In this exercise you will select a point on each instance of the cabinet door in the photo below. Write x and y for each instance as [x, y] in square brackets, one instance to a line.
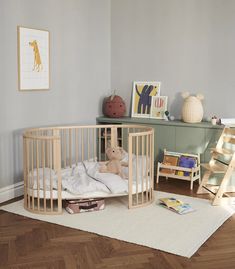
[211, 138]
[190, 140]
[164, 139]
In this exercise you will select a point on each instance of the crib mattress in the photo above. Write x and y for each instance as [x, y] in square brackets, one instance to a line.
[136, 188]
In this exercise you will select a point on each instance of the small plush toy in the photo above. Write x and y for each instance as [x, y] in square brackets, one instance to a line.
[114, 165]
[114, 106]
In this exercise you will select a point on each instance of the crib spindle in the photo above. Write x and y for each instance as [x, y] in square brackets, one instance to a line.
[122, 138]
[82, 144]
[37, 172]
[99, 143]
[142, 169]
[114, 142]
[152, 167]
[32, 171]
[105, 142]
[76, 146]
[147, 165]
[28, 174]
[25, 170]
[88, 144]
[128, 131]
[49, 142]
[137, 168]
[70, 147]
[130, 174]
[94, 145]
[64, 147]
[57, 145]
[43, 174]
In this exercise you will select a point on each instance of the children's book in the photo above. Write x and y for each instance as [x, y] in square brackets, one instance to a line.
[188, 162]
[176, 205]
[169, 160]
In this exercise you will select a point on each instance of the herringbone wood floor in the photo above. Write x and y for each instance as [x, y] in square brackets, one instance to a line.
[27, 243]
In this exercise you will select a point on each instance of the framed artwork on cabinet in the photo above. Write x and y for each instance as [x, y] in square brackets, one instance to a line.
[142, 94]
[158, 107]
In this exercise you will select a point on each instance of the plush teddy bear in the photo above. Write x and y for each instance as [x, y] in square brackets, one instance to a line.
[114, 165]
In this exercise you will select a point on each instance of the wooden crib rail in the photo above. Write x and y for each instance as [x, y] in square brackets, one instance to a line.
[41, 161]
[141, 146]
[49, 150]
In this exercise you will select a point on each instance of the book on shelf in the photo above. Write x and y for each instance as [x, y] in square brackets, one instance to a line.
[173, 153]
[169, 160]
[186, 162]
[176, 205]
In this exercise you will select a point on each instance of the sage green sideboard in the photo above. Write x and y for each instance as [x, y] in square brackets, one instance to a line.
[176, 135]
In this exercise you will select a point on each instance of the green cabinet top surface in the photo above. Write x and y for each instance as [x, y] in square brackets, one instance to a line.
[147, 121]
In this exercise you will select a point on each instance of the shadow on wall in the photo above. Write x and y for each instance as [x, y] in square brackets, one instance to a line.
[11, 158]
[100, 105]
[130, 107]
[176, 106]
[18, 155]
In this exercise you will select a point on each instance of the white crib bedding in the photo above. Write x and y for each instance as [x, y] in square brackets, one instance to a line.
[95, 194]
[84, 180]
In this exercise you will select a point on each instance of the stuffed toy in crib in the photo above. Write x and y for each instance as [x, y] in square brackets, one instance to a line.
[114, 165]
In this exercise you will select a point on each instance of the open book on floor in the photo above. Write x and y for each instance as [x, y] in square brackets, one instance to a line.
[176, 205]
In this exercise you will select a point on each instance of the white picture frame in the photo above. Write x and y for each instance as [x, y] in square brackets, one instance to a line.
[142, 94]
[158, 107]
[33, 59]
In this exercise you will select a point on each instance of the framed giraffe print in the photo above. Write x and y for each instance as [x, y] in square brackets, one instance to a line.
[33, 59]
[142, 94]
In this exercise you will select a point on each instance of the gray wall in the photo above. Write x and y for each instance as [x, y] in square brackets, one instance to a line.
[185, 44]
[80, 71]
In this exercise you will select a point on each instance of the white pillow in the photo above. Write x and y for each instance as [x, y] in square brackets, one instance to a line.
[115, 183]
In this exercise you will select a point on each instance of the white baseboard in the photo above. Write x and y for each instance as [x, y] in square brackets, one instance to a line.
[11, 191]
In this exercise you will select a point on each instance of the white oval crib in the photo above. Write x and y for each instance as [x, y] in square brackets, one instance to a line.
[57, 159]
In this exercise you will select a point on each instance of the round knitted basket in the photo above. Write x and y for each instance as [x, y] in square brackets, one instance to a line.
[192, 110]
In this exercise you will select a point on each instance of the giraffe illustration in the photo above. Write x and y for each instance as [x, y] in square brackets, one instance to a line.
[37, 66]
[145, 99]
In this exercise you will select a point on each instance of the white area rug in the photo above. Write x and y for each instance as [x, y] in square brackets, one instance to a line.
[151, 226]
